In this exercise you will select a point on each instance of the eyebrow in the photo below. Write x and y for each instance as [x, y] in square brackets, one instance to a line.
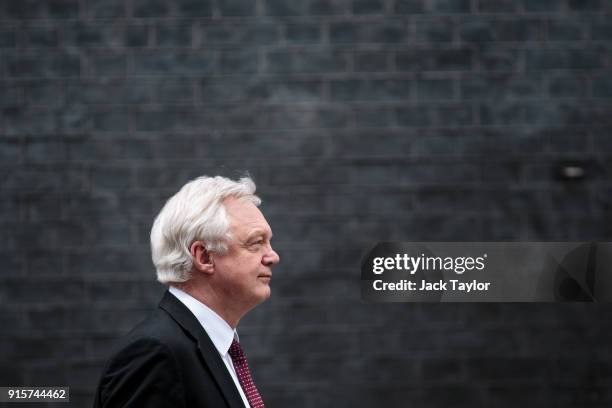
[257, 232]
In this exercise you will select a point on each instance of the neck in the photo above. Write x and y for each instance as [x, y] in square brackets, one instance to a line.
[209, 297]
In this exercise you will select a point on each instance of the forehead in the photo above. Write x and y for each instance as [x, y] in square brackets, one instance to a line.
[245, 217]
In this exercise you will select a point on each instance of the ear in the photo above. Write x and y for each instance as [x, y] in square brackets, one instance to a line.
[202, 259]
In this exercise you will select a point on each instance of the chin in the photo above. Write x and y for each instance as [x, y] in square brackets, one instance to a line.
[265, 293]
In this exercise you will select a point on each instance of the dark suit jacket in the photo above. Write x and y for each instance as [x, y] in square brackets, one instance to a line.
[167, 361]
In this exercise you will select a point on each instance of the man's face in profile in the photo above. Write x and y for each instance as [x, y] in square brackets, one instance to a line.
[245, 270]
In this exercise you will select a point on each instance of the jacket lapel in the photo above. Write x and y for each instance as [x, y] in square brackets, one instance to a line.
[183, 316]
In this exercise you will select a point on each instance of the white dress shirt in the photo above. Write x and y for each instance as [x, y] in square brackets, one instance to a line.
[217, 329]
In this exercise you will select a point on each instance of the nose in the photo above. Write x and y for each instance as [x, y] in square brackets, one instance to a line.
[271, 258]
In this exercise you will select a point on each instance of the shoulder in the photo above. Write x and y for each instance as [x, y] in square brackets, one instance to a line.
[143, 370]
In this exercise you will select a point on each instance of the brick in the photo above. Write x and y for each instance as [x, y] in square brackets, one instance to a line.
[291, 91]
[371, 61]
[499, 87]
[584, 5]
[20, 66]
[451, 6]
[602, 86]
[392, 32]
[42, 37]
[284, 8]
[24, 9]
[111, 177]
[305, 61]
[260, 34]
[547, 116]
[43, 177]
[477, 30]
[497, 6]
[303, 33]
[110, 120]
[435, 30]
[327, 7]
[541, 5]
[563, 141]
[42, 207]
[179, 62]
[7, 38]
[235, 117]
[455, 115]
[56, 292]
[176, 119]
[87, 35]
[373, 117]
[237, 8]
[167, 177]
[290, 175]
[136, 36]
[355, 142]
[518, 30]
[409, 6]
[413, 116]
[106, 64]
[74, 120]
[431, 89]
[31, 9]
[46, 151]
[585, 58]
[602, 30]
[568, 87]
[565, 30]
[218, 90]
[288, 117]
[18, 122]
[248, 33]
[450, 59]
[63, 8]
[497, 59]
[499, 368]
[238, 61]
[153, 8]
[102, 90]
[120, 149]
[65, 65]
[368, 6]
[174, 35]
[495, 29]
[109, 261]
[194, 8]
[172, 90]
[461, 395]
[503, 114]
[10, 95]
[10, 152]
[374, 90]
[101, 9]
[221, 33]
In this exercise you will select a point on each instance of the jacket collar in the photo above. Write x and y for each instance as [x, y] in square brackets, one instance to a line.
[183, 316]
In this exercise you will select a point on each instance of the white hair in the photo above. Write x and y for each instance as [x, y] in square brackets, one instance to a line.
[195, 213]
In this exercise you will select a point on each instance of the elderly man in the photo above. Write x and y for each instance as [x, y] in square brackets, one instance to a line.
[211, 245]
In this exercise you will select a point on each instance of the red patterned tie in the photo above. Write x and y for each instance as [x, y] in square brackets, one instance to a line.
[244, 375]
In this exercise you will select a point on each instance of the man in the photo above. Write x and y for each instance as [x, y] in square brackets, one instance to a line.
[211, 245]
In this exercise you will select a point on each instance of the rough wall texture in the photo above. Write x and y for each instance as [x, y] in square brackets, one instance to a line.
[361, 121]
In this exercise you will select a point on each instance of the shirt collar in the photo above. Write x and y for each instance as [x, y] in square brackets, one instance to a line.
[217, 329]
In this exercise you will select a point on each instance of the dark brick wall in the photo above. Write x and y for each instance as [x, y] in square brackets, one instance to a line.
[361, 120]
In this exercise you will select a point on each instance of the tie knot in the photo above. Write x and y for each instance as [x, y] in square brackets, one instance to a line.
[235, 350]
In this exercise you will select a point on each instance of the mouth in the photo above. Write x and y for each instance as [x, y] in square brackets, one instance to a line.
[267, 276]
